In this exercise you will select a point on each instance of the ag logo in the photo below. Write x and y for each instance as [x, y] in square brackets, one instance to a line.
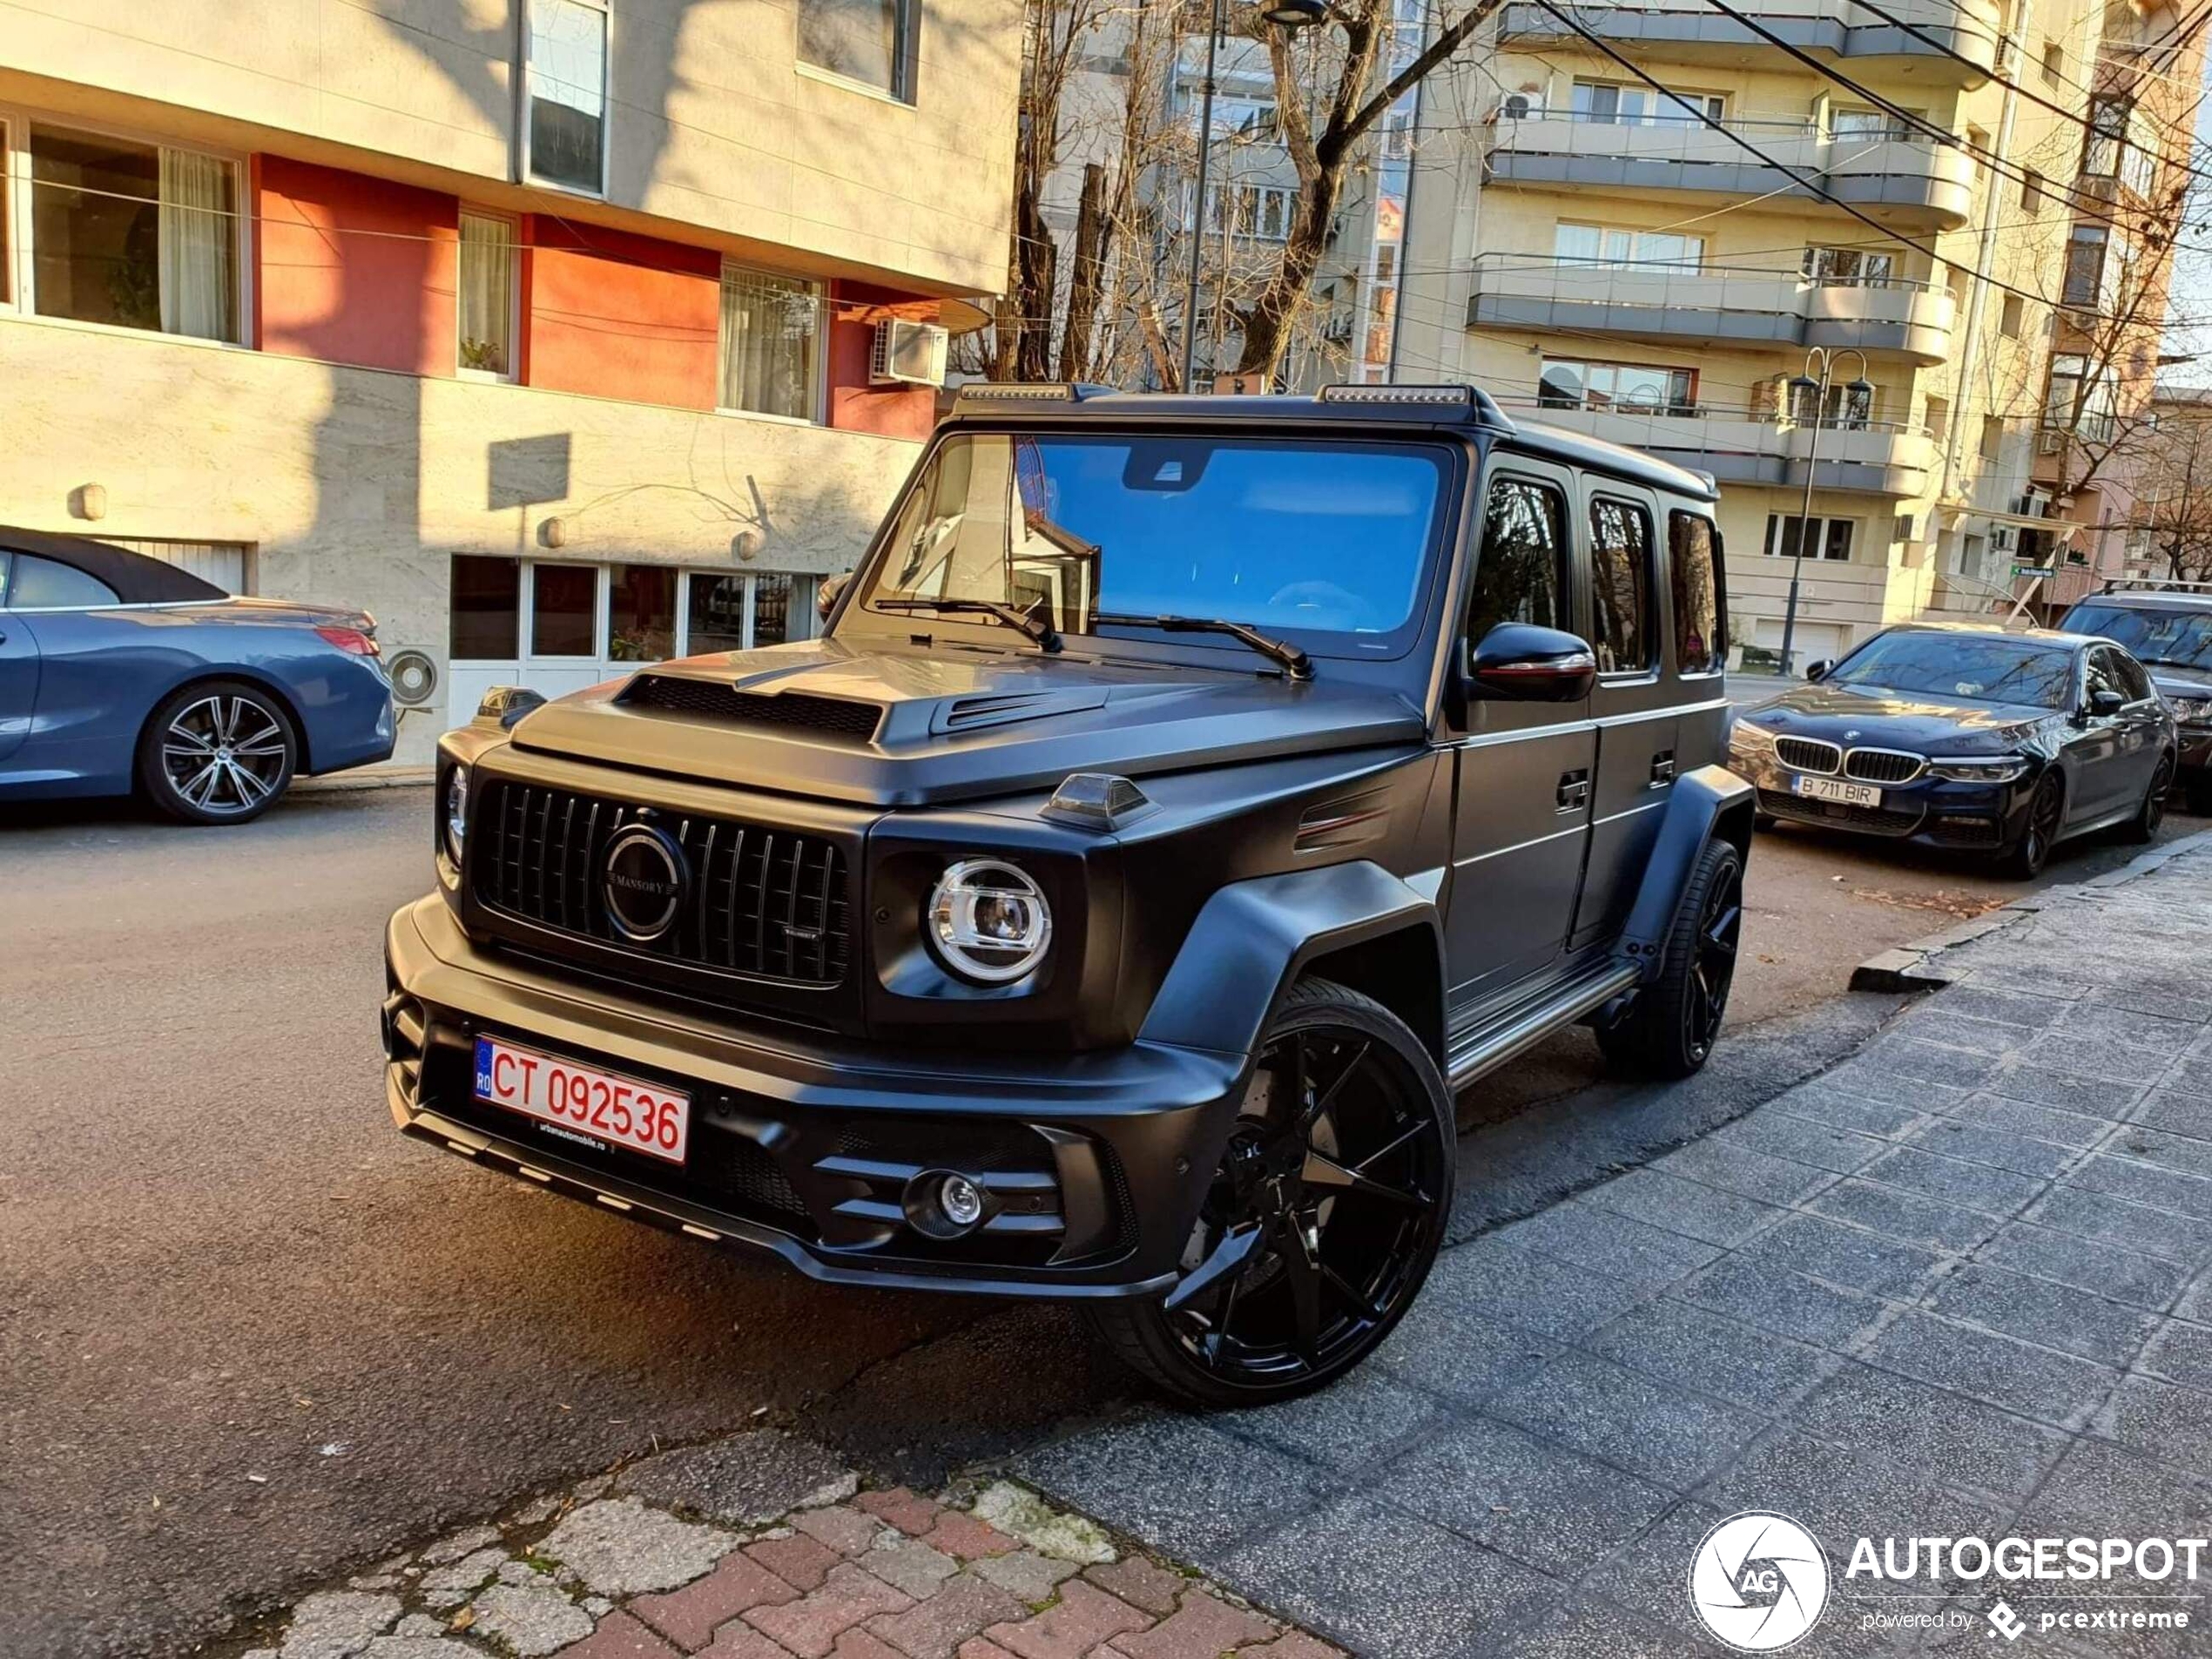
[1759, 1581]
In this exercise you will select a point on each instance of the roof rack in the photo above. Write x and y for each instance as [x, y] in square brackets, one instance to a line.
[2152, 584]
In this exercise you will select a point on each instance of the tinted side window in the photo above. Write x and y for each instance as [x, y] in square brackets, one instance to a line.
[4, 557]
[1619, 585]
[2133, 679]
[1521, 573]
[47, 584]
[1701, 642]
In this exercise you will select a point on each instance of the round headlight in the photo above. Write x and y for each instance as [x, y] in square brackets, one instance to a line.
[457, 812]
[989, 921]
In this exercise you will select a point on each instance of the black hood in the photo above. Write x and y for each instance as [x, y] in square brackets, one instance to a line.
[1883, 719]
[886, 727]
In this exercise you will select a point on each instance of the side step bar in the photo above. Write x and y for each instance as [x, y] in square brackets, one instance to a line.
[1489, 1046]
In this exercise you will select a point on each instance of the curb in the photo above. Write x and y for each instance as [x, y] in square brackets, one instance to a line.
[1911, 967]
[340, 782]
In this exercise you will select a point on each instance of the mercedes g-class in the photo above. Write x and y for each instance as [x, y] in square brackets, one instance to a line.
[1188, 797]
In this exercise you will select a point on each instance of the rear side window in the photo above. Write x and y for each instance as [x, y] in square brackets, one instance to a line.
[4, 557]
[1701, 644]
[2133, 679]
[1521, 573]
[1619, 585]
[47, 584]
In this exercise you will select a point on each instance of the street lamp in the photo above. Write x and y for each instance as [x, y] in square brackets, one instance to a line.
[1284, 14]
[1859, 389]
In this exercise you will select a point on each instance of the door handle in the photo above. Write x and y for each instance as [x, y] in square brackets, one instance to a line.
[1663, 769]
[1573, 790]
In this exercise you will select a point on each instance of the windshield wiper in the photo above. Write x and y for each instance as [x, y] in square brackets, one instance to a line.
[1295, 662]
[1033, 623]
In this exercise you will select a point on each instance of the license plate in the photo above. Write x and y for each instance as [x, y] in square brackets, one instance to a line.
[585, 1101]
[1836, 789]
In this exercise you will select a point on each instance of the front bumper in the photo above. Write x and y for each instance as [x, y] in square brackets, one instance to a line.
[1927, 811]
[802, 1143]
[2195, 753]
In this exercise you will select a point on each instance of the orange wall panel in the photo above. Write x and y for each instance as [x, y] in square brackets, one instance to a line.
[350, 269]
[618, 315]
[891, 411]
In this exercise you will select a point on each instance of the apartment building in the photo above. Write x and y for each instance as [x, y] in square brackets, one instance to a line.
[562, 334]
[1656, 264]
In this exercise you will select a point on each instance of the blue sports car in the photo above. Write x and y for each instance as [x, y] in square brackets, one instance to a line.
[119, 672]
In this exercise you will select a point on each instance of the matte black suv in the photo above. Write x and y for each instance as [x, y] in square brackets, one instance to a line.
[1188, 796]
[2168, 627]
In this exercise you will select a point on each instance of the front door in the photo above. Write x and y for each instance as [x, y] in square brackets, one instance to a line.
[1522, 770]
[1636, 712]
[18, 670]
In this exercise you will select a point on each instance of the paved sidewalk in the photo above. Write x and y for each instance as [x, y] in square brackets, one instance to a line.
[764, 1546]
[1957, 1287]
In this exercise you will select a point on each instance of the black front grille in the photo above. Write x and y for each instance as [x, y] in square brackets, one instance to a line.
[1877, 820]
[790, 710]
[768, 902]
[1882, 765]
[1807, 754]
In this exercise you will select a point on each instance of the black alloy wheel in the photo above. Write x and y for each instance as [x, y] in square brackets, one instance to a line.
[1321, 1222]
[2142, 828]
[220, 752]
[1670, 1029]
[2046, 811]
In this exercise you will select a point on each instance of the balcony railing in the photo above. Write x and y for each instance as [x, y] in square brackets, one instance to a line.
[1742, 444]
[1929, 32]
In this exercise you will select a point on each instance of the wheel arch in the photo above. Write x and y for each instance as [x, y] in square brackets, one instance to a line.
[1704, 805]
[213, 674]
[1355, 922]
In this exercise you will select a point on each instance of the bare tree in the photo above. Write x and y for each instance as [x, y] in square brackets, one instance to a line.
[2175, 509]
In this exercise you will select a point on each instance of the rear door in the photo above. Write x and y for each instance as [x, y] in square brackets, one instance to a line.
[2100, 744]
[2142, 724]
[1522, 770]
[18, 669]
[1632, 706]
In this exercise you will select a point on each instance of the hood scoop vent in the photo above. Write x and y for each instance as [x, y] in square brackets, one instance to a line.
[1004, 708]
[829, 718]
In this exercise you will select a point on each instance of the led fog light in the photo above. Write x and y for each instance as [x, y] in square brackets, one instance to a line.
[943, 1204]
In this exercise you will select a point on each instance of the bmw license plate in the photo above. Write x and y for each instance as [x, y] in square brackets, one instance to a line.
[583, 1102]
[1836, 789]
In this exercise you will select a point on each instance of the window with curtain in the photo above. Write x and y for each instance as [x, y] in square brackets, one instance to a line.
[1569, 384]
[1831, 539]
[568, 94]
[1849, 268]
[869, 41]
[137, 235]
[486, 308]
[1602, 245]
[772, 330]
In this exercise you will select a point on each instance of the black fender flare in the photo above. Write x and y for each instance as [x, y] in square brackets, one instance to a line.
[1711, 801]
[1252, 938]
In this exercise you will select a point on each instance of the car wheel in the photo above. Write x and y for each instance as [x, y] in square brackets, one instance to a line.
[1670, 1029]
[2142, 828]
[1322, 1220]
[219, 752]
[2046, 809]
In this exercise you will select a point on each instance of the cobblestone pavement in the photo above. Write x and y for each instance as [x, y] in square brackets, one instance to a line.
[1957, 1287]
[763, 1546]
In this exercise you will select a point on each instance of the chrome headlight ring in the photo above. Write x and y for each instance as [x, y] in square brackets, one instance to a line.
[453, 822]
[988, 921]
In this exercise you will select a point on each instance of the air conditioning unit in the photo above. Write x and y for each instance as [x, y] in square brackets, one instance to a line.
[2003, 537]
[907, 353]
[2050, 441]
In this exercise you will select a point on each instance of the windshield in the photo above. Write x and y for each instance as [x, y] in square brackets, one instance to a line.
[1977, 668]
[1325, 540]
[2177, 638]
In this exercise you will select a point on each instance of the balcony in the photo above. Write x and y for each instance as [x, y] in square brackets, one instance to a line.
[1911, 184]
[1711, 306]
[1742, 445]
[1695, 34]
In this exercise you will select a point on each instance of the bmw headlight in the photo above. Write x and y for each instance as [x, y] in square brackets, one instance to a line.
[1977, 769]
[988, 921]
[453, 827]
[2191, 711]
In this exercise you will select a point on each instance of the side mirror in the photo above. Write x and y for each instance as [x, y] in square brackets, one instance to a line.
[826, 592]
[1519, 662]
[1819, 671]
[2105, 702]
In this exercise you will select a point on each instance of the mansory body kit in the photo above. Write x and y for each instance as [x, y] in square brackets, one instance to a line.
[1187, 796]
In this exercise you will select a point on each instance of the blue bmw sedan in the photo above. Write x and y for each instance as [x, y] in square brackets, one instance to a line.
[119, 673]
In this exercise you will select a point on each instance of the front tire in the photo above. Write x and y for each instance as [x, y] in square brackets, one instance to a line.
[2024, 860]
[219, 752]
[1670, 1029]
[1322, 1221]
[2142, 828]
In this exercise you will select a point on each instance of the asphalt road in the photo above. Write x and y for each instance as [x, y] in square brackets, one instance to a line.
[248, 1337]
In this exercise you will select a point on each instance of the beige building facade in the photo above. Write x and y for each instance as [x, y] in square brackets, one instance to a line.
[552, 331]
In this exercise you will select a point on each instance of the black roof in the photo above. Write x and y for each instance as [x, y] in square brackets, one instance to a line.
[136, 579]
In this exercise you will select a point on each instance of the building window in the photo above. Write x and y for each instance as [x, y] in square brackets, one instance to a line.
[1993, 437]
[483, 621]
[1569, 384]
[2090, 275]
[136, 235]
[2054, 64]
[2009, 316]
[485, 308]
[1831, 539]
[735, 612]
[565, 609]
[568, 94]
[1938, 418]
[1610, 102]
[868, 41]
[1701, 644]
[1865, 126]
[772, 330]
[2079, 401]
[1844, 409]
[640, 613]
[1849, 268]
[1600, 244]
[1260, 212]
[2030, 190]
[652, 613]
[1620, 585]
